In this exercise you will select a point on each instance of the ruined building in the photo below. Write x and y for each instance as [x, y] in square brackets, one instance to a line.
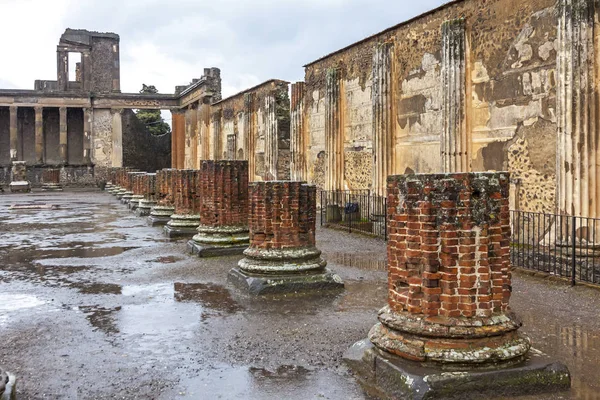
[474, 85]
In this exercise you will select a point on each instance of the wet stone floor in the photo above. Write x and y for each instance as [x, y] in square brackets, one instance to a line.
[95, 304]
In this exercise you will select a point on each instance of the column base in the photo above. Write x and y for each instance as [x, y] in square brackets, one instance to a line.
[52, 187]
[126, 197]
[388, 376]
[8, 385]
[219, 241]
[119, 195]
[20, 187]
[282, 261]
[134, 202]
[160, 215]
[181, 226]
[114, 190]
[144, 208]
[259, 284]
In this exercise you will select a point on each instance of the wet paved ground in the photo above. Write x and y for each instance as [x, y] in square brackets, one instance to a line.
[94, 304]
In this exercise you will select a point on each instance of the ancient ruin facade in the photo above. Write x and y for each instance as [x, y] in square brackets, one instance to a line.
[470, 86]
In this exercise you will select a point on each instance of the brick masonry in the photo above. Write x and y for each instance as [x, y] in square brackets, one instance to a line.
[224, 193]
[187, 196]
[449, 281]
[282, 215]
[448, 247]
[51, 176]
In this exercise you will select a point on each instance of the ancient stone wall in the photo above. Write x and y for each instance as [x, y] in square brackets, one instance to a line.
[254, 125]
[4, 136]
[470, 86]
[105, 68]
[141, 149]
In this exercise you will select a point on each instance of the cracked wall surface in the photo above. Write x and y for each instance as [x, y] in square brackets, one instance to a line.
[509, 73]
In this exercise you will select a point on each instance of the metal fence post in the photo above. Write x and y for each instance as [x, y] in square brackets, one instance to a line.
[573, 250]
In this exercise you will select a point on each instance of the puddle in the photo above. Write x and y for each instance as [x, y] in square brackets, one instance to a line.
[211, 296]
[363, 295]
[10, 303]
[101, 318]
[365, 261]
[573, 345]
[288, 382]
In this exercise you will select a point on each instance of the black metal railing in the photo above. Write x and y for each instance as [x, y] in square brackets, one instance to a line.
[354, 211]
[560, 245]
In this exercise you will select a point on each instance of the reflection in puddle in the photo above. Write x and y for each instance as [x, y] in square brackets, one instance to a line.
[212, 296]
[362, 295]
[365, 261]
[573, 345]
[97, 288]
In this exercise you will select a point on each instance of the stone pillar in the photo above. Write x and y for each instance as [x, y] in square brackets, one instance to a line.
[449, 286]
[177, 139]
[455, 141]
[18, 178]
[188, 157]
[334, 139]
[149, 199]
[298, 140]
[51, 180]
[161, 213]
[383, 117]
[250, 135]
[63, 145]
[117, 137]
[578, 159]
[216, 140]
[186, 218]
[39, 135]
[87, 135]
[204, 122]
[271, 139]
[139, 183]
[129, 181]
[63, 69]
[14, 136]
[282, 256]
[223, 225]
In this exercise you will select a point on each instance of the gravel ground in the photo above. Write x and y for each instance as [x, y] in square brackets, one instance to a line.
[95, 304]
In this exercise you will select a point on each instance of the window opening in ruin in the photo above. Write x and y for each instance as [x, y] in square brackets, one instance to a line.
[74, 72]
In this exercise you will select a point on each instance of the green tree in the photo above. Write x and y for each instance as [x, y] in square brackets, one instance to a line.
[151, 118]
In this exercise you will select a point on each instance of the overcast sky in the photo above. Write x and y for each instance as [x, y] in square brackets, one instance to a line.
[167, 43]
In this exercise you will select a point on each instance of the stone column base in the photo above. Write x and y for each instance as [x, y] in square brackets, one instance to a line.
[388, 376]
[114, 190]
[51, 187]
[134, 202]
[448, 340]
[20, 187]
[120, 194]
[219, 241]
[182, 225]
[8, 384]
[126, 197]
[144, 207]
[108, 186]
[282, 261]
[160, 215]
[261, 284]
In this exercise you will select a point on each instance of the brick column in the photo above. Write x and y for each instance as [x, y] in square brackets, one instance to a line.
[161, 213]
[149, 199]
[139, 182]
[51, 180]
[186, 218]
[282, 255]
[223, 225]
[63, 135]
[128, 185]
[449, 276]
[117, 186]
[39, 135]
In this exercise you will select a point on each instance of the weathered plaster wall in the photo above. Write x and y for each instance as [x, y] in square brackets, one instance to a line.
[105, 67]
[102, 138]
[509, 102]
[254, 125]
